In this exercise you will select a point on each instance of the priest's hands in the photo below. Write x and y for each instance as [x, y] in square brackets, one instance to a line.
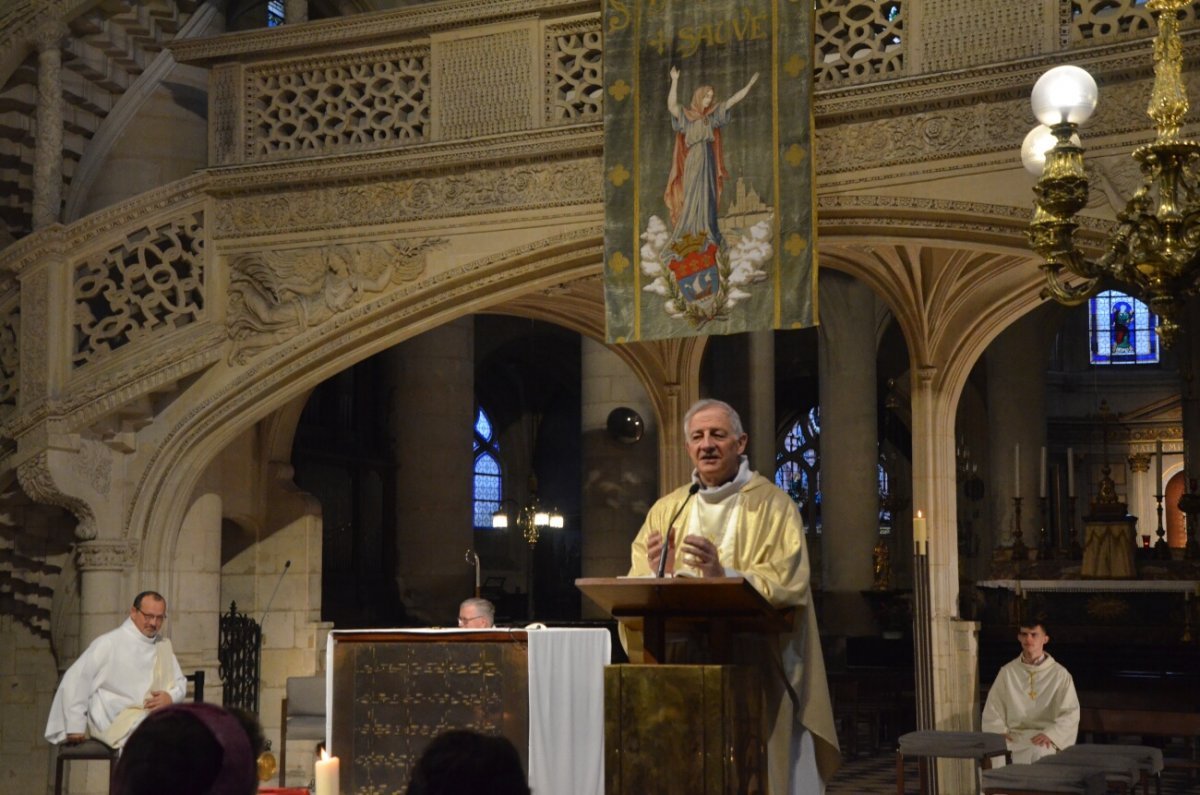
[702, 554]
[654, 546]
[1042, 741]
[157, 698]
[76, 739]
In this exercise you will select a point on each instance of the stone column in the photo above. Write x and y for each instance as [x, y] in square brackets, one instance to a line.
[1016, 400]
[849, 450]
[195, 598]
[103, 600]
[431, 423]
[762, 403]
[295, 11]
[952, 666]
[1189, 371]
[47, 158]
[620, 479]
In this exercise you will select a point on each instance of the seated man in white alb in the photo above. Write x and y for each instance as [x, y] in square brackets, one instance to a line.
[1033, 702]
[118, 680]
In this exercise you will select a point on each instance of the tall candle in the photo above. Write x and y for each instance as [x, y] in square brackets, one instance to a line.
[1158, 489]
[1070, 472]
[1017, 469]
[326, 775]
[920, 533]
[1042, 480]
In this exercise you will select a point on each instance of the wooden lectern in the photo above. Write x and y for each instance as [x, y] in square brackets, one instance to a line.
[694, 729]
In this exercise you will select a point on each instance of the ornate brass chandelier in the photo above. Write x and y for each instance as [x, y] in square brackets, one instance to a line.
[1153, 252]
[531, 517]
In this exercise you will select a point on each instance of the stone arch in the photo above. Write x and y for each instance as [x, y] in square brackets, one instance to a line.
[229, 399]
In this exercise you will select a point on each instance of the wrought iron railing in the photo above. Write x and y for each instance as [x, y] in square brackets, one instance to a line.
[238, 652]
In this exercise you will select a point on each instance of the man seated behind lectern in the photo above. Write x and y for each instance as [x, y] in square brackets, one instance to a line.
[739, 524]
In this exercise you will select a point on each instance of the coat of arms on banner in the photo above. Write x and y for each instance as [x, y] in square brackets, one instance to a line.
[705, 264]
[708, 226]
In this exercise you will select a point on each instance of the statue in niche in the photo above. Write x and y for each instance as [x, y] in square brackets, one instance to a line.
[274, 296]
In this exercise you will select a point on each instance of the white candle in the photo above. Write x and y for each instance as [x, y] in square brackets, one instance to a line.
[1158, 451]
[1017, 469]
[920, 533]
[1042, 480]
[326, 774]
[1070, 472]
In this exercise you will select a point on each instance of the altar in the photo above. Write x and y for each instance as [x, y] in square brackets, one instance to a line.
[1093, 610]
[391, 691]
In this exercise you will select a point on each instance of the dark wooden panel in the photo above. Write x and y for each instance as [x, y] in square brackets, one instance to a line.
[684, 730]
[393, 694]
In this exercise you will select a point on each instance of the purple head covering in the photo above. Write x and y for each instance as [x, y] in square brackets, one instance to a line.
[185, 749]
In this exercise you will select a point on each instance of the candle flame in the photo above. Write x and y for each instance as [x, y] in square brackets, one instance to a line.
[920, 514]
[324, 755]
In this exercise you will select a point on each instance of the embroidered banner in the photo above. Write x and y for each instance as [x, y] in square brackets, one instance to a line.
[708, 167]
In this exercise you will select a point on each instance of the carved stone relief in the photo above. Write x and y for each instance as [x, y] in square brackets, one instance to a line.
[357, 101]
[151, 283]
[37, 481]
[990, 31]
[225, 123]
[547, 184]
[93, 465]
[922, 136]
[276, 295]
[858, 41]
[34, 299]
[1097, 21]
[10, 358]
[574, 85]
[106, 555]
[483, 83]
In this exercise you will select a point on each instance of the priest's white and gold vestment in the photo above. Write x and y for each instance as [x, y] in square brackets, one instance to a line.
[759, 534]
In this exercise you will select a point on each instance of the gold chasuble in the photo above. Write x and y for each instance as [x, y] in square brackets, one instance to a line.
[764, 542]
[708, 170]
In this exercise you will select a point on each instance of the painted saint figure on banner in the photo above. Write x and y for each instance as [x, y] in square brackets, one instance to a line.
[698, 165]
[693, 262]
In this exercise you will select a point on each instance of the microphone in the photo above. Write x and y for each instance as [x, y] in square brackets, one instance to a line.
[662, 558]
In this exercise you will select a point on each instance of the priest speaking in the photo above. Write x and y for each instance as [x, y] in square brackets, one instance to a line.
[118, 680]
[739, 524]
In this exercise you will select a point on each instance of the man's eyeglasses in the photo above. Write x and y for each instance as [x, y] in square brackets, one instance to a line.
[160, 617]
[465, 621]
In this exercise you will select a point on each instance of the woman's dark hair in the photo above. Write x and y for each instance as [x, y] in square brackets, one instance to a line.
[462, 761]
[187, 749]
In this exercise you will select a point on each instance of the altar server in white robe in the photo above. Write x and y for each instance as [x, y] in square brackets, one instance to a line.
[118, 680]
[741, 525]
[1033, 701]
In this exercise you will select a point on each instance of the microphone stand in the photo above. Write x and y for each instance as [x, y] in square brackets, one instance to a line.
[662, 558]
[261, 623]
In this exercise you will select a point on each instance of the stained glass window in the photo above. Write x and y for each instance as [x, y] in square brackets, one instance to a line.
[797, 467]
[885, 514]
[1121, 330]
[274, 13]
[489, 482]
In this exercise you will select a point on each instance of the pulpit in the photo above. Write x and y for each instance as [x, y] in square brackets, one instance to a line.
[393, 691]
[691, 728]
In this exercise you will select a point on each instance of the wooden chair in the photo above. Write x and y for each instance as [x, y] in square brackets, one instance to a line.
[91, 750]
[302, 715]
